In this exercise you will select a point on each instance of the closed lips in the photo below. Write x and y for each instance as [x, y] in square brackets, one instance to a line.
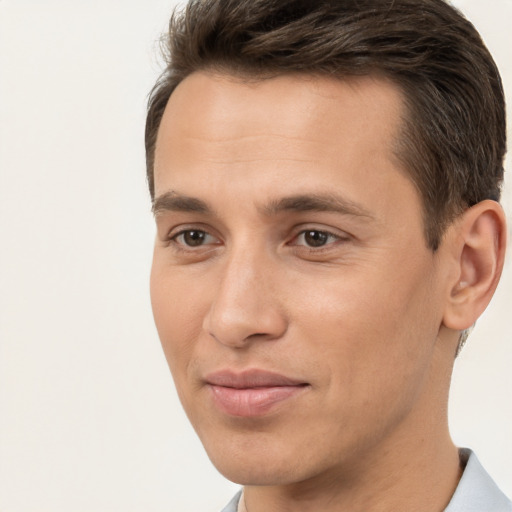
[251, 393]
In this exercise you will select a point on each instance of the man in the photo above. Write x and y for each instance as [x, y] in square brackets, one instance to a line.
[325, 179]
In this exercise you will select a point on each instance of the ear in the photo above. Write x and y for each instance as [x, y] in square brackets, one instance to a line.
[479, 249]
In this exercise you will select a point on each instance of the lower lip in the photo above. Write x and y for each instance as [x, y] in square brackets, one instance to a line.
[251, 402]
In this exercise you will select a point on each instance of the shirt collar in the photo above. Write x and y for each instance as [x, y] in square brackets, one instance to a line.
[476, 491]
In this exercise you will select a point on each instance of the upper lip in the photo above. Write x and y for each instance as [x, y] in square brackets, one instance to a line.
[250, 379]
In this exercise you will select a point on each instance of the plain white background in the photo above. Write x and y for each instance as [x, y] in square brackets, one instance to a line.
[89, 420]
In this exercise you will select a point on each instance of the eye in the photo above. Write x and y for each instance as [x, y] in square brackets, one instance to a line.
[315, 238]
[194, 238]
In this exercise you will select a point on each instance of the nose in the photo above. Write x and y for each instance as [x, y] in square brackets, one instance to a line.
[245, 307]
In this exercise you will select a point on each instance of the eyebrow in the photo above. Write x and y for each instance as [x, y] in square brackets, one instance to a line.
[173, 201]
[317, 203]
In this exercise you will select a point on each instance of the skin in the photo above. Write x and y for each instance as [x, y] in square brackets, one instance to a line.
[368, 320]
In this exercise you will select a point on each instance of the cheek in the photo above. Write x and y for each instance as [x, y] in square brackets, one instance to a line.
[178, 316]
[375, 331]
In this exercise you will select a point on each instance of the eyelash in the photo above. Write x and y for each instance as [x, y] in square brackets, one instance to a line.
[182, 246]
[319, 233]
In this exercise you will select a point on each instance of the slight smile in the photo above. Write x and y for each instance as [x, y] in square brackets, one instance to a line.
[251, 393]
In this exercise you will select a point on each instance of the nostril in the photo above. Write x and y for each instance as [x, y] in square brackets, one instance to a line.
[257, 335]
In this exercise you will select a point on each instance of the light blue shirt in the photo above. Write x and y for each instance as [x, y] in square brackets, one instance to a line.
[476, 491]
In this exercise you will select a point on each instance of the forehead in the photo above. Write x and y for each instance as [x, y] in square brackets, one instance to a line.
[298, 132]
[324, 110]
[302, 91]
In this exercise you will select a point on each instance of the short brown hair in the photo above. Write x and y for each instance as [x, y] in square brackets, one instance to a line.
[454, 137]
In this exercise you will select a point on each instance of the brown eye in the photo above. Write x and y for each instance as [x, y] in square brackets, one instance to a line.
[316, 238]
[193, 238]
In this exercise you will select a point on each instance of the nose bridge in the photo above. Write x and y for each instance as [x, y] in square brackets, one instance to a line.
[245, 305]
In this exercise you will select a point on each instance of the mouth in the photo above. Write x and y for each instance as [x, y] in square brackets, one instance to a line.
[251, 393]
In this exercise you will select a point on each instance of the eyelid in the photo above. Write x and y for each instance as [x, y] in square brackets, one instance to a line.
[207, 235]
[182, 229]
[332, 233]
[183, 233]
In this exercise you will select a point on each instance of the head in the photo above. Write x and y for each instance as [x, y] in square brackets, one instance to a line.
[324, 178]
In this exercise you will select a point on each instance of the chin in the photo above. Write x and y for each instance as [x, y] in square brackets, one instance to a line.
[253, 473]
[254, 466]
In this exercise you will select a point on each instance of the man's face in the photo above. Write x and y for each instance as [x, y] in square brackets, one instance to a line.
[297, 303]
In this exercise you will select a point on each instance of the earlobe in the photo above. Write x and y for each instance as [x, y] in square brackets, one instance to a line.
[479, 246]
